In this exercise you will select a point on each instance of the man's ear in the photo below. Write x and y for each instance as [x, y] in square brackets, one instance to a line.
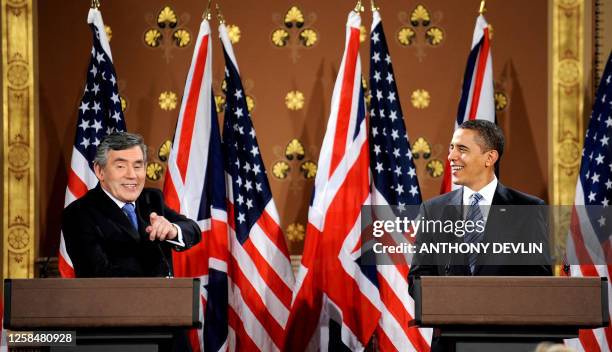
[492, 157]
[98, 170]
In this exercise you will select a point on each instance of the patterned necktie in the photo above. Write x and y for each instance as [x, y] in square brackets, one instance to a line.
[128, 209]
[474, 236]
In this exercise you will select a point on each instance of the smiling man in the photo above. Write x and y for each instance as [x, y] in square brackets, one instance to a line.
[120, 228]
[508, 215]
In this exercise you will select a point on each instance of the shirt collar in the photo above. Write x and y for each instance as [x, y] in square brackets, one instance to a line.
[487, 193]
[119, 203]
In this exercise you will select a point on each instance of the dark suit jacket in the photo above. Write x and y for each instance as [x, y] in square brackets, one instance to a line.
[101, 241]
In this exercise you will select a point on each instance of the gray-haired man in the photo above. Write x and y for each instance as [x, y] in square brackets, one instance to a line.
[120, 228]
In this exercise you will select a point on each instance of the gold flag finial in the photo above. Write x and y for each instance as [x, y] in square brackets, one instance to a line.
[207, 13]
[359, 7]
[483, 7]
[374, 7]
[220, 15]
[95, 4]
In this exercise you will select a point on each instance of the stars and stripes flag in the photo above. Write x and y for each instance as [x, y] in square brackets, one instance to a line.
[259, 269]
[394, 183]
[336, 300]
[589, 236]
[477, 94]
[99, 114]
[194, 185]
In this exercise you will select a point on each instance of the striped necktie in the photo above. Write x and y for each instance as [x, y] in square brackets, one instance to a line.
[474, 214]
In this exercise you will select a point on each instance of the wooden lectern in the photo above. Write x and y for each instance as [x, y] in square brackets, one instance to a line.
[501, 314]
[110, 314]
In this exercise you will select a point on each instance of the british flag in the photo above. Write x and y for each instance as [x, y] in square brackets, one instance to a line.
[100, 113]
[588, 242]
[260, 276]
[336, 300]
[477, 94]
[194, 185]
[394, 183]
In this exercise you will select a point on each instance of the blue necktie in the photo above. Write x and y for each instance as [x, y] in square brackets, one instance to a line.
[475, 236]
[128, 209]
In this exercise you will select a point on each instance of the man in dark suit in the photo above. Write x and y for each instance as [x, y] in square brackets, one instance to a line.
[120, 228]
[508, 215]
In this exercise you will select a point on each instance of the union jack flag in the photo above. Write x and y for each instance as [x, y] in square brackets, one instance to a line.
[394, 183]
[477, 94]
[99, 114]
[260, 275]
[336, 300]
[194, 185]
[589, 236]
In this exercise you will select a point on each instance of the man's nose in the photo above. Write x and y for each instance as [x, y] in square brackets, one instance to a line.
[130, 172]
[452, 154]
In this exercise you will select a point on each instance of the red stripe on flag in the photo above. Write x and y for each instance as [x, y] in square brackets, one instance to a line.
[77, 187]
[182, 158]
[346, 100]
[446, 187]
[243, 340]
[586, 263]
[273, 231]
[588, 340]
[267, 273]
[252, 299]
[193, 262]
[170, 196]
[480, 71]
[66, 271]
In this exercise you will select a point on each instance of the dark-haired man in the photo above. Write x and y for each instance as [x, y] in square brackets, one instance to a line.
[507, 214]
[120, 228]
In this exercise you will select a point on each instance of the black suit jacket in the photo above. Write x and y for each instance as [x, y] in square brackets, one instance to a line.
[101, 241]
[504, 224]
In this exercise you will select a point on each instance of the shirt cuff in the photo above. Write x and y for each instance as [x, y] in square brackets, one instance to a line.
[178, 241]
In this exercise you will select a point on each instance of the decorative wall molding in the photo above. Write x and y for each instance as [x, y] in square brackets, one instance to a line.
[18, 139]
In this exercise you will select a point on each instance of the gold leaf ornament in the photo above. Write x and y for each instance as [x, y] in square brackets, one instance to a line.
[434, 35]
[308, 37]
[124, 103]
[250, 103]
[182, 38]
[154, 171]
[420, 14]
[295, 232]
[421, 147]
[309, 169]
[280, 37]
[233, 32]
[294, 16]
[501, 101]
[220, 103]
[405, 36]
[295, 148]
[164, 150]
[363, 33]
[152, 37]
[166, 17]
[435, 168]
[420, 99]
[109, 32]
[294, 100]
[168, 100]
[280, 170]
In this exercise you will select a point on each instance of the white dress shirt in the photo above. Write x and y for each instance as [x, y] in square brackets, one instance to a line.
[487, 193]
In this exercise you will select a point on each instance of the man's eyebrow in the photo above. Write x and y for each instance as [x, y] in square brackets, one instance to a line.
[125, 160]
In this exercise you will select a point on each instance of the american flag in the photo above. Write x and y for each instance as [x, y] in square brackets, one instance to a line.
[477, 94]
[260, 275]
[194, 185]
[589, 236]
[99, 114]
[394, 183]
[336, 300]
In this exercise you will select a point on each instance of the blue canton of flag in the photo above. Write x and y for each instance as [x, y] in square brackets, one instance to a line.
[393, 170]
[100, 108]
[250, 188]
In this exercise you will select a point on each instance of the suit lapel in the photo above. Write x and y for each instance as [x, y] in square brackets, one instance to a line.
[108, 207]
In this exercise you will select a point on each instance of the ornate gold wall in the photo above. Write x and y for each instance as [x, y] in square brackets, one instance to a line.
[289, 55]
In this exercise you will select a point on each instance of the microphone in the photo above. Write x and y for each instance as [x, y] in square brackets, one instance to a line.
[148, 202]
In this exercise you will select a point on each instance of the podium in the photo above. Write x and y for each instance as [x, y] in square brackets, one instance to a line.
[480, 313]
[107, 314]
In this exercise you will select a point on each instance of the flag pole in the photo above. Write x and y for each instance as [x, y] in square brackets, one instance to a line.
[483, 7]
[359, 7]
[220, 15]
[373, 6]
[207, 13]
[95, 4]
